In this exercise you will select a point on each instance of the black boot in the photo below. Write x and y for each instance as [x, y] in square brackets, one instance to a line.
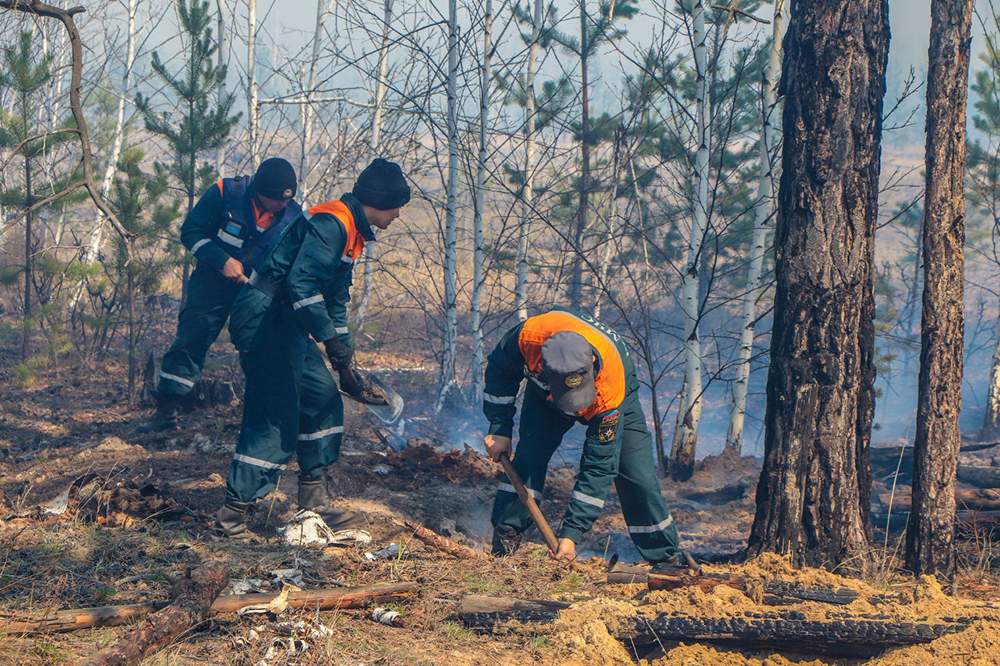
[231, 520]
[506, 540]
[313, 497]
[165, 416]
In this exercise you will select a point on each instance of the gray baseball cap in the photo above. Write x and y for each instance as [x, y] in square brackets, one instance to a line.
[568, 367]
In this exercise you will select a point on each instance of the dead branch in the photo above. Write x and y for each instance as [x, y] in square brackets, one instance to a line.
[15, 149]
[65, 16]
[444, 544]
[192, 598]
[110, 616]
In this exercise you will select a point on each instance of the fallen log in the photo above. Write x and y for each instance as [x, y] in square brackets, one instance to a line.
[847, 637]
[785, 630]
[980, 477]
[444, 544]
[969, 499]
[967, 523]
[481, 611]
[109, 616]
[191, 599]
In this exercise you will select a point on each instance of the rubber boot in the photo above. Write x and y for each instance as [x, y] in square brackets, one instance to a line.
[165, 416]
[506, 540]
[313, 497]
[231, 520]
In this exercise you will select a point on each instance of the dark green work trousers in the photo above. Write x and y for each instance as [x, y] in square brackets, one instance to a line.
[541, 431]
[210, 297]
[291, 406]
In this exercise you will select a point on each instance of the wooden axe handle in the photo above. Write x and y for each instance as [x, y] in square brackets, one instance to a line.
[529, 502]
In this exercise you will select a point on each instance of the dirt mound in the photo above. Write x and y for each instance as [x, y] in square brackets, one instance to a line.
[461, 467]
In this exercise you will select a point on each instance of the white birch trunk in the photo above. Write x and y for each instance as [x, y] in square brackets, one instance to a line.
[609, 242]
[762, 214]
[323, 7]
[448, 360]
[478, 354]
[527, 201]
[253, 103]
[686, 435]
[381, 86]
[220, 154]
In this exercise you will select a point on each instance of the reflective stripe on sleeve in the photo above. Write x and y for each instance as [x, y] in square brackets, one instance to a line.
[507, 488]
[499, 399]
[341, 330]
[310, 436]
[307, 301]
[179, 380]
[197, 246]
[347, 260]
[257, 462]
[587, 499]
[650, 529]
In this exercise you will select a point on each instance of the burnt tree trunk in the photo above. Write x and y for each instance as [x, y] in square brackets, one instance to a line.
[929, 537]
[814, 492]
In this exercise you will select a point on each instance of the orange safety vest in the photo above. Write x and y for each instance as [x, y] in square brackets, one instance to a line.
[355, 241]
[610, 381]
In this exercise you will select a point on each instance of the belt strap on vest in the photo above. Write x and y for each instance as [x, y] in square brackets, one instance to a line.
[264, 286]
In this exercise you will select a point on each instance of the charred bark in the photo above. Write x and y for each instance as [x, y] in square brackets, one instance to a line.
[814, 493]
[930, 534]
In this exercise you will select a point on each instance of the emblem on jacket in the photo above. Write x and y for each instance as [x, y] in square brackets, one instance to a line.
[608, 427]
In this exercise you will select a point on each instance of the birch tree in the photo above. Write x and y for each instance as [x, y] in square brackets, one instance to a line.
[475, 306]
[686, 434]
[450, 351]
[763, 209]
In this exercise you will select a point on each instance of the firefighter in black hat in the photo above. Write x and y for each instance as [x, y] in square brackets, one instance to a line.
[228, 230]
[299, 294]
[578, 371]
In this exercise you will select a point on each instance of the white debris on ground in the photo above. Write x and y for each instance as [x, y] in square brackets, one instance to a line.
[306, 528]
[390, 552]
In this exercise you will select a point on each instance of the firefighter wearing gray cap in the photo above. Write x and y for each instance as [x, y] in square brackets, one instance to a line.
[578, 371]
[227, 231]
[300, 290]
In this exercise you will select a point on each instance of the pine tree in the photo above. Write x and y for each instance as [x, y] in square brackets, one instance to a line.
[206, 121]
[25, 73]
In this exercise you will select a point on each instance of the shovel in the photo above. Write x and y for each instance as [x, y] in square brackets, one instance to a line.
[529, 503]
[389, 412]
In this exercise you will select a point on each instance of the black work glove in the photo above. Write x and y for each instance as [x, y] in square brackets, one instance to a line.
[340, 355]
[351, 383]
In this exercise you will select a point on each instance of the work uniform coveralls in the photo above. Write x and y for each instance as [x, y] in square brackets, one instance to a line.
[618, 447]
[225, 222]
[292, 405]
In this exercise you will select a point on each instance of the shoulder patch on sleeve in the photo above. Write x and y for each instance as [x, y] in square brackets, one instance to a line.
[608, 426]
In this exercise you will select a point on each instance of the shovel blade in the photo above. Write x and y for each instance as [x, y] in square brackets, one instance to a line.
[390, 412]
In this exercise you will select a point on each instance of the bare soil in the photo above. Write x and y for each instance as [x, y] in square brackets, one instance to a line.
[140, 509]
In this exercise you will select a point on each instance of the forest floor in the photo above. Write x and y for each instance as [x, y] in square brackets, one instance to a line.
[61, 430]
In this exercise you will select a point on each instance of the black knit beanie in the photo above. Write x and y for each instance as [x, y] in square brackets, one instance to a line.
[275, 179]
[382, 186]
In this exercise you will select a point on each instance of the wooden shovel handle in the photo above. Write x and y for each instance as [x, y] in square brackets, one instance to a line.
[529, 503]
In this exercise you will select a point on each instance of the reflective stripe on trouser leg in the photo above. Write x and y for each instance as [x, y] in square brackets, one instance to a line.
[650, 524]
[321, 415]
[269, 431]
[540, 432]
[209, 300]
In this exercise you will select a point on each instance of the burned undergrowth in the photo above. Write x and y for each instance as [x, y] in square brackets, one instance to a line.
[94, 515]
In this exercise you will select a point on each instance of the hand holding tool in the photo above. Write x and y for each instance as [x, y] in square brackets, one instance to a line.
[529, 503]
